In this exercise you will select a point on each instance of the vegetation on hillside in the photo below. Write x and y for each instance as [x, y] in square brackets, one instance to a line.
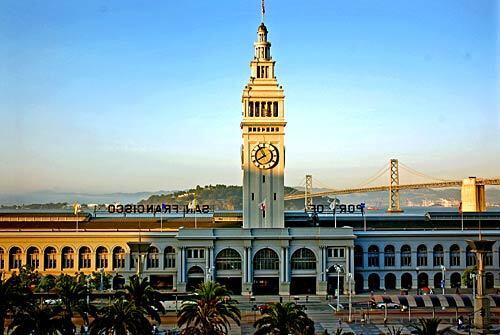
[218, 197]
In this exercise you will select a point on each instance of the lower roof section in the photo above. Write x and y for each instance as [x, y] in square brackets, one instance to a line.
[60, 221]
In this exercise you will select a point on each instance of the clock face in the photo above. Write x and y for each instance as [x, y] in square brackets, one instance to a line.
[265, 156]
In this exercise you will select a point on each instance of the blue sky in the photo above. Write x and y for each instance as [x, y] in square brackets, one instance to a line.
[102, 96]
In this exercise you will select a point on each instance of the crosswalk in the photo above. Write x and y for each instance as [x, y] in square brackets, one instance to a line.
[369, 329]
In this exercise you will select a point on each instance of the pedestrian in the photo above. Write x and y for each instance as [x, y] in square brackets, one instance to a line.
[460, 322]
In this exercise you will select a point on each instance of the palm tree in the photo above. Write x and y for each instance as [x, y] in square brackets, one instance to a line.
[209, 311]
[284, 319]
[37, 320]
[426, 326]
[15, 293]
[73, 294]
[122, 317]
[143, 295]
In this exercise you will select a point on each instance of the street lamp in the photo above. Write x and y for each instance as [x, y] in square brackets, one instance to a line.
[349, 279]
[87, 280]
[338, 268]
[418, 282]
[443, 270]
[101, 287]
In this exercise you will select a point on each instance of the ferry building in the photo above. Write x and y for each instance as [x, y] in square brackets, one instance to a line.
[263, 249]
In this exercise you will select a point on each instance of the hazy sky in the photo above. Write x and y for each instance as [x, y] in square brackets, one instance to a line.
[102, 96]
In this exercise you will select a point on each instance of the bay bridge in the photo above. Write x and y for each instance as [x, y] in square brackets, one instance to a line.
[472, 188]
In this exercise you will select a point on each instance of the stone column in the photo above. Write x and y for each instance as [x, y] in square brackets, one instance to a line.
[162, 259]
[323, 277]
[212, 262]
[287, 265]
[207, 264]
[244, 266]
[283, 265]
[246, 288]
[181, 270]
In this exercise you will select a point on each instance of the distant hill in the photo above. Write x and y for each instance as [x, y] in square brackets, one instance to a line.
[45, 197]
[229, 197]
[218, 197]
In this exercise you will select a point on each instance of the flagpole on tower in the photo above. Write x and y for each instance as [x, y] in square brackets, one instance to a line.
[263, 11]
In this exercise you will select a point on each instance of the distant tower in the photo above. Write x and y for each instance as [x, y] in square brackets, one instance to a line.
[308, 200]
[393, 187]
[263, 150]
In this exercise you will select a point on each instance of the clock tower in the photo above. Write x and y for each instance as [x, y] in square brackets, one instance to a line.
[263, 149]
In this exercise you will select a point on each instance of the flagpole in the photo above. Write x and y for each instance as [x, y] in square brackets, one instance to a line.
[263, 11]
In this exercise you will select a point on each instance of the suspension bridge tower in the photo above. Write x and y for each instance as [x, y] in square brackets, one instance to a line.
[394, 187]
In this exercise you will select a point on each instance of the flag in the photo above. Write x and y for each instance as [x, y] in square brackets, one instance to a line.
[76, 208]
[262, 205]
[192, 204]
[263, 8]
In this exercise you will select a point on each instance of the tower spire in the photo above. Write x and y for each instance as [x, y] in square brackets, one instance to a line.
[263, 10]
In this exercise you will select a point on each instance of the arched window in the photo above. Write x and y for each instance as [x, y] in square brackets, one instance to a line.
[85, 258]
[101, 258]
[228, 259]
[389, 256]
[33, 257]
[2, 259]
[438, 280]
[15, 258]
[257, 109]
[489, 280]
[250, 108]
[266, 259]
[405, 255]
[390, 281]
[455, 280]
[358, 256]
[50, 255]
[68, 258]
[169, 257]
[195, 271]
[275, 109]
[153, 258]
[438, 255]
[422, 255]
[454, 255]
[406, 281]
[422, 280]
[488, 258]
[118, 258]
[373, 256]
[303, 259]
[373, 282]
[470, 257]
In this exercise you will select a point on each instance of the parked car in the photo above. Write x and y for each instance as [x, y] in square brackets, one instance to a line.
[389, 305]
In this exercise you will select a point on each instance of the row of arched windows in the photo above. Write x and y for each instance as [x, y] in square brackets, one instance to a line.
[68, 258]
[423, 281]
[438, 255]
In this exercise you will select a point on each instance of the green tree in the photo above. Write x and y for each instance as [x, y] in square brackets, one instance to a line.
[144, 296]
[209, 311]
[46, 283]
[426, 326]
[73, 294]
[283, 319]
[38, 320]
[11, 297]
[122, 317]
[466, 280]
